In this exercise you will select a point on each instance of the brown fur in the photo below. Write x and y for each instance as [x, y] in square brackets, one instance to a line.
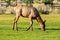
[28, 12]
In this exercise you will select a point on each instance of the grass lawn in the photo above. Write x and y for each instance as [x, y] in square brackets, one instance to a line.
[52, 28]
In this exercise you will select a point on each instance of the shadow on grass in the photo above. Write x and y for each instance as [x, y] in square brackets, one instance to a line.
[40, 28]
[52, 28]
[23, 29]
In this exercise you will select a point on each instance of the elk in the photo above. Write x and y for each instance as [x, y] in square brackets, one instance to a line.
[29, 12]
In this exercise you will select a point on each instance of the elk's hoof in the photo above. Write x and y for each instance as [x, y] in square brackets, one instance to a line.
[13, 28]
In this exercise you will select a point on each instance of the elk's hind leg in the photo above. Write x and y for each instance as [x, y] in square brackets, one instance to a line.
[14, 23]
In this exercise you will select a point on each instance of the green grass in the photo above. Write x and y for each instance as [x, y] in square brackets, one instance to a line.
[52, 28]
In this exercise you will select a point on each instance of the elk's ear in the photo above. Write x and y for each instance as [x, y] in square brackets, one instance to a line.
[44, 21]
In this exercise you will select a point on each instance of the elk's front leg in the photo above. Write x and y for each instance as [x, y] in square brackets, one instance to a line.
[31, 23]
